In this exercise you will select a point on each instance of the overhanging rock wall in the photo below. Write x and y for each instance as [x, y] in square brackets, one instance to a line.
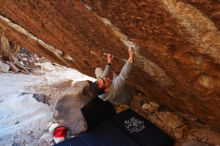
[177, 43]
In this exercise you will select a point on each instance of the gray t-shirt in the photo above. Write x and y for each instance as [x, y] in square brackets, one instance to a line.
[120, 92]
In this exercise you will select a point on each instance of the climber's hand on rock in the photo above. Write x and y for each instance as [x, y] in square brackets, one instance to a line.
[110, 58]
[131, 54]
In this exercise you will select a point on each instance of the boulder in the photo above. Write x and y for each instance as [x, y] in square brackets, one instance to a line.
[194, 143]
[4, 67]
[46, 66]
[207, 135]
[178, 132]
[41, 98]
[170, 119]
[67, 109]
[12, 67]
[150, 107]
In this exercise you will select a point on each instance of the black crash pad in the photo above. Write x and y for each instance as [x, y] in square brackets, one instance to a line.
[96, 112]
[124, 129]
[141, 131]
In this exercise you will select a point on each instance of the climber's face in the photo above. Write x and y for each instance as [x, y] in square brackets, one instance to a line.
[104, 83]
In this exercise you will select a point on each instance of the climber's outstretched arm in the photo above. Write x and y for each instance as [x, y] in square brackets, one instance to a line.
[108, 66]
[121, 78]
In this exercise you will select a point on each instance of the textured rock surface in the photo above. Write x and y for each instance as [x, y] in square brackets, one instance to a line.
[4, 67]
[194, 144]
[73, 99]
[170, 119]
[208, 135]
[178, 61]
[150, 107]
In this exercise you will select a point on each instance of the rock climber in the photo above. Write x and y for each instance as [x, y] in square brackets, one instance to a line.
[116, 91]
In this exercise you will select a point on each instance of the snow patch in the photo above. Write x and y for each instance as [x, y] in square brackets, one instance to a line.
[23, 120]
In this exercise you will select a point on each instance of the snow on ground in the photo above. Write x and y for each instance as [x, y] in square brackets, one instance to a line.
[23, 120]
